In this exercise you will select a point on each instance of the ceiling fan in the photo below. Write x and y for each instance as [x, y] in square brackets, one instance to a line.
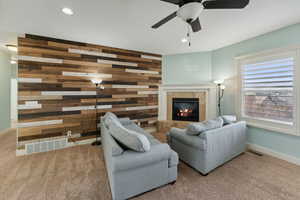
[190, 10]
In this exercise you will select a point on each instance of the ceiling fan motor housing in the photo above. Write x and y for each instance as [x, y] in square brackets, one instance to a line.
[190, 11]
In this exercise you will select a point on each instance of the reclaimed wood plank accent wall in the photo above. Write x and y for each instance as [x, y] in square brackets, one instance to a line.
[56, 95]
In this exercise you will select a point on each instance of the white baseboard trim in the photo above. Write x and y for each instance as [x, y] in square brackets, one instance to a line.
[273, 153]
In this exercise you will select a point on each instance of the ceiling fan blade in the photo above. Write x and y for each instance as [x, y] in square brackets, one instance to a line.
[165, 20]
[225, 4]
[183, 2]
[173, 1]
[196, 26]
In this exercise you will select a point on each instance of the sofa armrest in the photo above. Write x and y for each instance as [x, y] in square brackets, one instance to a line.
[131, 159]
[190, 140]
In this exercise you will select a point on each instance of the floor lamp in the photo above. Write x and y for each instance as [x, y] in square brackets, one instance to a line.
[97, 84]
[220, 90]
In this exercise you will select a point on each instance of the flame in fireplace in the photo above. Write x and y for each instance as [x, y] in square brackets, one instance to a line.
[184, 112]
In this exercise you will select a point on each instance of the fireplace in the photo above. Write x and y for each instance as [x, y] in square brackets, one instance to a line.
[185, 109]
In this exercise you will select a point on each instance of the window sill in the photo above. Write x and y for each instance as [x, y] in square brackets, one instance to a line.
[272, 127]
[283, 128]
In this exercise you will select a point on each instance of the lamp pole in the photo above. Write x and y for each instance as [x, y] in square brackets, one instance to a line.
[221, 89]
[97, 142]
[220, 94]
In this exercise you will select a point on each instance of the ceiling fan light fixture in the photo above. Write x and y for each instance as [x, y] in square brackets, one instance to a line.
[190, 11]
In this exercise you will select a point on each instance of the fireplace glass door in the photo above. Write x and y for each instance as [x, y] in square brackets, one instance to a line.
[185, 109]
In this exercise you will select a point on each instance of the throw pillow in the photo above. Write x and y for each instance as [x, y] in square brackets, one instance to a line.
[130, 139]
[109, 118]
[198, 128]
[229, 119]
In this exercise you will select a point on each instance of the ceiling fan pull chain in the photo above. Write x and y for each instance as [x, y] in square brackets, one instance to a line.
[189, 36]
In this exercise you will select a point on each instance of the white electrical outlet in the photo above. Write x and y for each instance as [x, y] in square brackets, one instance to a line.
[69, 133]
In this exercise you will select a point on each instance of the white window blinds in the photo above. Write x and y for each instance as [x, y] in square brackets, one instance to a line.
[267, 89]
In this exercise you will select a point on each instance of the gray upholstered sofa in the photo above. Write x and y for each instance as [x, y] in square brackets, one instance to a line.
[210, 149]
[131, 173]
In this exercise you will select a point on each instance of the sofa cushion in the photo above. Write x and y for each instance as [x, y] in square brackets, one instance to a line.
[190, 140]
[130, 139]
[198, 128]
[132, 126]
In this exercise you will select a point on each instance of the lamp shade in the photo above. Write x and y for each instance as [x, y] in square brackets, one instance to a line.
[219, 81]
[95, 81]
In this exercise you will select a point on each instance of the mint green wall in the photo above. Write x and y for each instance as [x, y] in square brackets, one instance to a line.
[223, 68]
[279, 142]
[219, 64]
[5, 74]
[190, 68]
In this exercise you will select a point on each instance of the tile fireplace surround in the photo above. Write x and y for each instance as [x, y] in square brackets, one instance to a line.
[205, 92]
[198, 96]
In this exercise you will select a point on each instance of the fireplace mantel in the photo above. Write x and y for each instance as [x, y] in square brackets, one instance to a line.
[208, 88]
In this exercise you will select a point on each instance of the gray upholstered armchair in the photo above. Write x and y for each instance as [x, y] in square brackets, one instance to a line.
[210, 149]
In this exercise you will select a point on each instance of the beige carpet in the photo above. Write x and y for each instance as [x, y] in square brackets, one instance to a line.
[79, 173]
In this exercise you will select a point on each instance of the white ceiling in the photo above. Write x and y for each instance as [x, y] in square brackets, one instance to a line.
[126, 23]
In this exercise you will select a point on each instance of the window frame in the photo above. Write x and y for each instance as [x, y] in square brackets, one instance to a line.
[270, 124]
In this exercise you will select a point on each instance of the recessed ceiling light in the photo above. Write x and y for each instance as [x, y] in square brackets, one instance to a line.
[184, 40]
[12, 47]
[13, 62]
[68, 11]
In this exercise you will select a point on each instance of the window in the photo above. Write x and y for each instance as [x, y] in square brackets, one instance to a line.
[268, 90]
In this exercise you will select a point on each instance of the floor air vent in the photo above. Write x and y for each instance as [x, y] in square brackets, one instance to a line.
[255, 153]
[45, 146]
